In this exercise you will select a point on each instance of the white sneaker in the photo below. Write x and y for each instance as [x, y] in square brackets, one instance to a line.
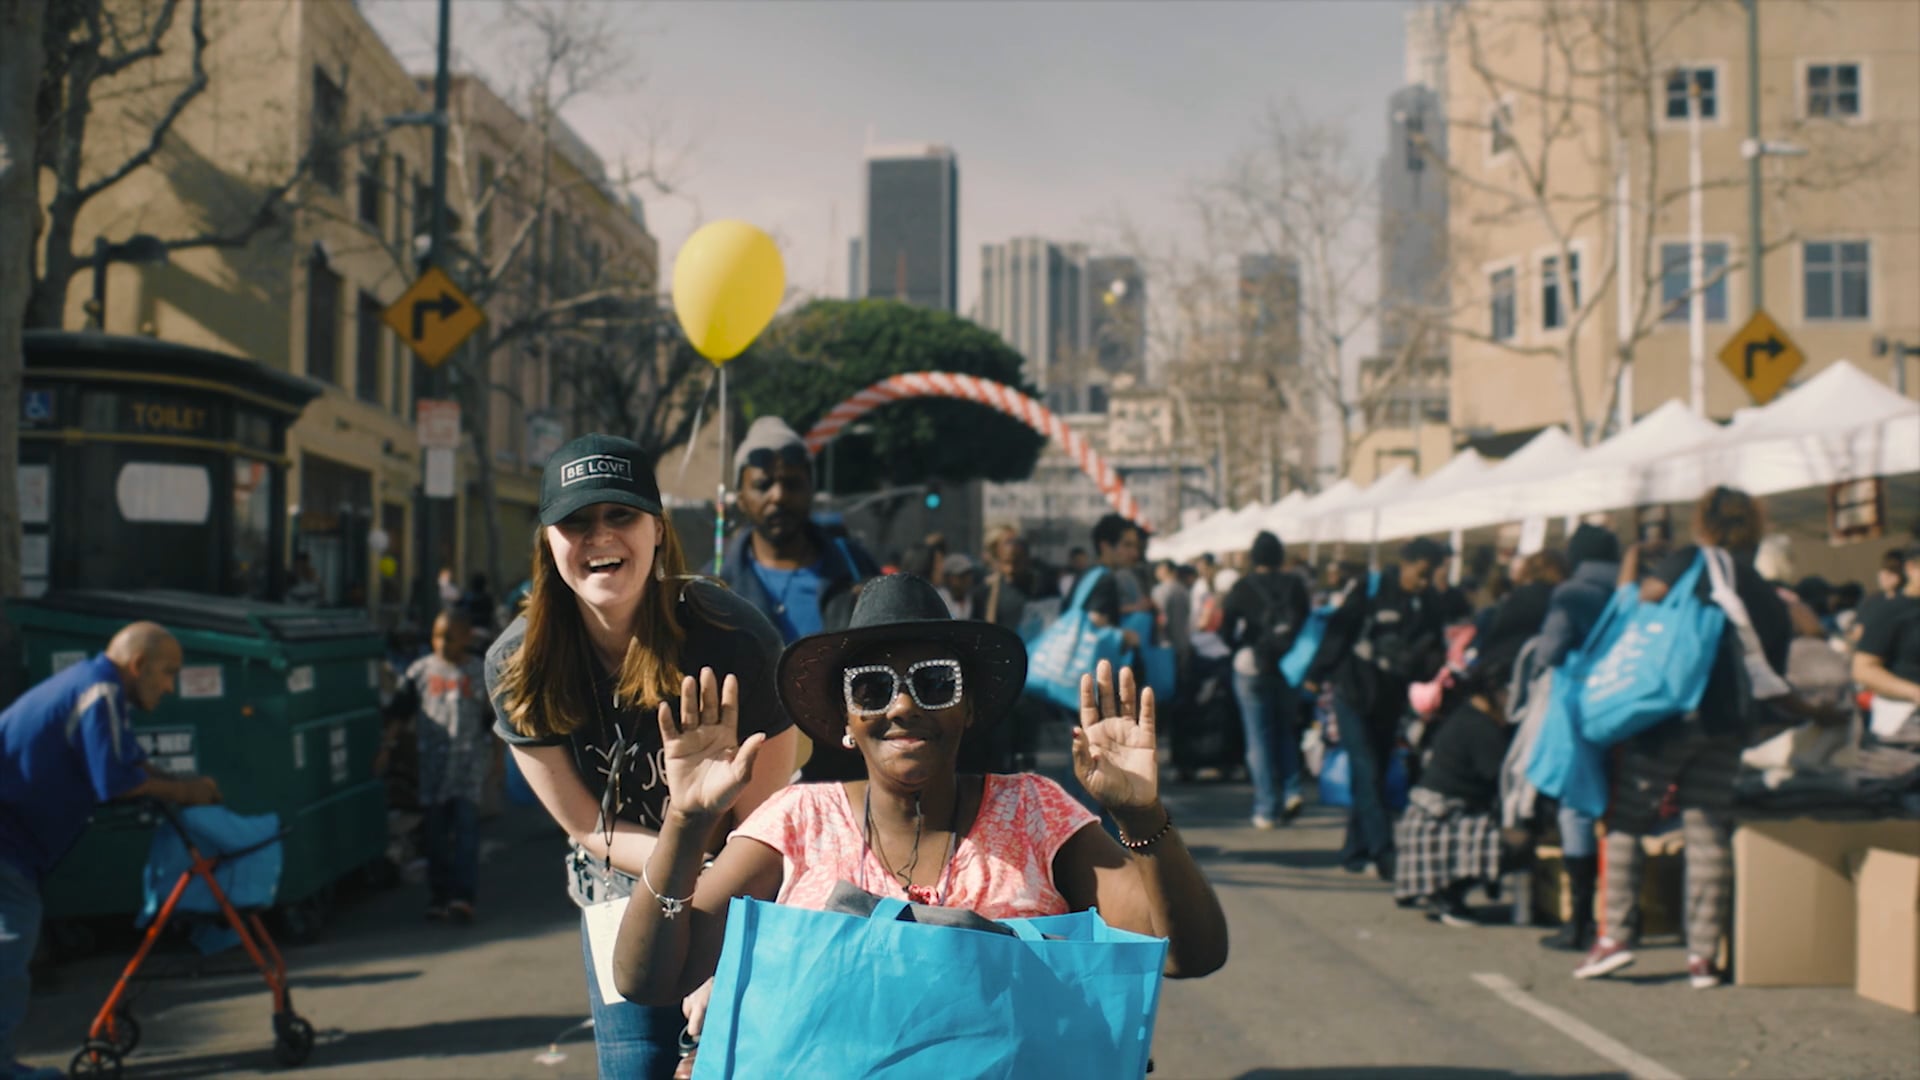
[1262, 822]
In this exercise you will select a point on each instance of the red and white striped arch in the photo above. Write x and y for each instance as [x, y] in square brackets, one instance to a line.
[994, 395]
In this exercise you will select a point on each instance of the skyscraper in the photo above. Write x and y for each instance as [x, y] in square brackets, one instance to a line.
[911, 248]
[1033, 293]
[1117, 315]
[856, 269]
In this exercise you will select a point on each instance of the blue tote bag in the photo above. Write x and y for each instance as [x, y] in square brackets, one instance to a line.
[1299, 658]
[819, 993]
[1564, 765]
[1650, 661]
[1156, 661]
[1070, 648]
[1336, 779]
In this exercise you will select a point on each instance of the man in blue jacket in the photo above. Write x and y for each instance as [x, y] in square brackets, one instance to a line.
[802, 577]
[67, 746]
[1572, 612]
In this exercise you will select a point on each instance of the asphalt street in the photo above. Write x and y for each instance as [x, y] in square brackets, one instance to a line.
[1327, 979]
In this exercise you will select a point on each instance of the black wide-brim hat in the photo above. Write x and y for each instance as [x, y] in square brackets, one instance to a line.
[900, 609]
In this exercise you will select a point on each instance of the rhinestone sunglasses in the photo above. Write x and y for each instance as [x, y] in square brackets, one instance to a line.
[871, 688]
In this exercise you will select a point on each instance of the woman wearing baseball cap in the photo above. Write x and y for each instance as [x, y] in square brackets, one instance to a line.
[613, 629]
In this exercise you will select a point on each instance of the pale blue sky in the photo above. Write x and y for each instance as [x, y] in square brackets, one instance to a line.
[1066, 116]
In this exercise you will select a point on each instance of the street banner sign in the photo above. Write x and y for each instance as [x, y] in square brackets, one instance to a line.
[440, 479]
[1762, 357]
[434, 317]
[437, 424]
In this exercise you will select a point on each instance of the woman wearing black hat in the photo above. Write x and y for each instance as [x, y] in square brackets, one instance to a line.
[903, 685]
[610, 627]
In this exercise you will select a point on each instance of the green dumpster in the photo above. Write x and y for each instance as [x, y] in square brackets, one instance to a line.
[279, 704]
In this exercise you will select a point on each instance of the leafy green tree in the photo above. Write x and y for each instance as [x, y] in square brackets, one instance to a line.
[816, 357]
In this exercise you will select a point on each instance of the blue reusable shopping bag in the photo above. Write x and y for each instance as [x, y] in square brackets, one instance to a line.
[1070, 648]
[1155, 660]
[1650, 661]
[1299, 658]
[250, 855]
[819, 993]
[1336, 779]
[1564, 765]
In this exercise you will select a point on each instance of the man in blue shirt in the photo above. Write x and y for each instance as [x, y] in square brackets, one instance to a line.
[67, 746]
[801, 577]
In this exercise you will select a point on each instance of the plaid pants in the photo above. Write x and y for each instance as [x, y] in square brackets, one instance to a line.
[1709, 891]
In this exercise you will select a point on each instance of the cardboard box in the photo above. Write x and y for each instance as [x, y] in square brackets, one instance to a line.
[1888, 953]
[1794, 911]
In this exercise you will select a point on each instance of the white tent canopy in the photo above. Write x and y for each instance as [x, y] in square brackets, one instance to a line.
[1499, 496]
[1359, 519]
[1840, 425]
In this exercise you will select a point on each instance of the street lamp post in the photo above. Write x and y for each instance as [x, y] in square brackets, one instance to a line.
[1901, 353]
[135, 249]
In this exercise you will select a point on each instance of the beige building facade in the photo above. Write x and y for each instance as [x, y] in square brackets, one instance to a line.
[309, 88]
[1536, 279]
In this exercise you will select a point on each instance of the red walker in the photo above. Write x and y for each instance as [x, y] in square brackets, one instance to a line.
[115, 1033]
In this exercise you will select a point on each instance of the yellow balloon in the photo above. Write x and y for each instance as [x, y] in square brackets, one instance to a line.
[727, 283]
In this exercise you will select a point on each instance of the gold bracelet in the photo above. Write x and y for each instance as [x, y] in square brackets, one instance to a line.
[1142, 845]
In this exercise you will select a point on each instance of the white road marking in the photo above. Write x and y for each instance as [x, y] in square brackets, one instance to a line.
[1637, 1065]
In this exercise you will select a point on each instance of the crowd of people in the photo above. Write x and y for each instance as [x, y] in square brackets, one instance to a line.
[804, 718]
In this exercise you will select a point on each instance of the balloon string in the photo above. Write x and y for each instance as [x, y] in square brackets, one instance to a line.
[693, 439]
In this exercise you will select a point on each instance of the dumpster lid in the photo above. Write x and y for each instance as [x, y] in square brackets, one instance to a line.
[241, 617]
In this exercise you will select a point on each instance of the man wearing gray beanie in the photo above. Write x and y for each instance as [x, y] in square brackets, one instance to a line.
[801, 576]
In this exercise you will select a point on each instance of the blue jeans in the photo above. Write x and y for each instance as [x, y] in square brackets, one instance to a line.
[1273, 747]
[19, 933]
[453, 850]
[1369, 825]
[634, 1042]
[1576, 834]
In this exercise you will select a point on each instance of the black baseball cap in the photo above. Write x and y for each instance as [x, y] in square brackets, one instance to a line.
[597, 469]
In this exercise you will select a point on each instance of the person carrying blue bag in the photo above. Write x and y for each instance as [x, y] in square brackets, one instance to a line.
[904, 685]
[1264, 612]
[1689, 760]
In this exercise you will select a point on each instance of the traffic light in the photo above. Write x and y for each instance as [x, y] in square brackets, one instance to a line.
[933, 498]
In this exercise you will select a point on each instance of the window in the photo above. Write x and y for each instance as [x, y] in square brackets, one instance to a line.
[366, 349]
[483, 221]
[399, 201]
[1836, 279]
[1504, 296]
[1675, 275]
[1416, 140]
[1500, 128]
[324, 135]
[1705, 80]
[1553, 312]
[323, 322]
[1833, 90]
[371, 188]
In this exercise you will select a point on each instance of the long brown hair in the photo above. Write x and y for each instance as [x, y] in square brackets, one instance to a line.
[541, 684]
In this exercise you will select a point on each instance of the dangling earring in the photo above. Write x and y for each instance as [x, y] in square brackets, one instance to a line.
[659, 572]
[846, 739]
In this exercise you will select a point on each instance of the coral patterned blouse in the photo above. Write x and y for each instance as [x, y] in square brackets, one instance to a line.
[1002, 869]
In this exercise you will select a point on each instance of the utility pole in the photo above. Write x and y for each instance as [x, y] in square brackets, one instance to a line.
[1696, 263]
[426, 580]
[1754, 239]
